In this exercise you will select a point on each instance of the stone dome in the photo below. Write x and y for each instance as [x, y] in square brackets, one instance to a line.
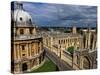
[21, 17]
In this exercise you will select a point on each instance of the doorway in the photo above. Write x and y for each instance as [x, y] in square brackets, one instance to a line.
[24, 67]
[86, 63]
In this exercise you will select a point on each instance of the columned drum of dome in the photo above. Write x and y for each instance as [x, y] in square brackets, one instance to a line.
[27, 44]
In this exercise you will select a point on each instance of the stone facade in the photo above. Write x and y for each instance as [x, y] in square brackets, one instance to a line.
[27, 45]
[85, 50]
[90, 38]
[86, 58]
[58, 40]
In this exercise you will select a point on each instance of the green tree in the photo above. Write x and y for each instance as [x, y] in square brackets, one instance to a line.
[70, 49]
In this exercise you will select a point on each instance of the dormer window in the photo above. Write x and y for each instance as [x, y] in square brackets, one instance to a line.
[30, 20]
[21, 19]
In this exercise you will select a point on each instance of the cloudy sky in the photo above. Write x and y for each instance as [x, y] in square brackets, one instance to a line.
[45, 14]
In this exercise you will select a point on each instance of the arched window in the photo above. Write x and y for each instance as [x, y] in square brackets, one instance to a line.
[23, 47]
[21, 31]
[31, 30]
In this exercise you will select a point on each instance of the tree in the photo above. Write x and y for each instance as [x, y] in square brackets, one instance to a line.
[70, 49]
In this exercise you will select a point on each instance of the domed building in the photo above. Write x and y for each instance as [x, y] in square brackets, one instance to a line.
[26, 44]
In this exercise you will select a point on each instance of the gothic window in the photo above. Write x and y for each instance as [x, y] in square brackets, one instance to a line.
[86, 63]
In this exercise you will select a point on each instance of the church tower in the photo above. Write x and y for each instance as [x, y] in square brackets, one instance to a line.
[74, 29]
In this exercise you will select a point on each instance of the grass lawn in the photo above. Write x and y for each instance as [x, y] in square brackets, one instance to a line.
[48, 66]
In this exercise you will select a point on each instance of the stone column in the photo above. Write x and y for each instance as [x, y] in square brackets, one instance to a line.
[94, 42]
[89, 39]
[81, 62]
[17, 68]
[33, 49]
[85, 34]
[34, 30]
[73, 60]
[29, 66]
[18, 51]
[85, 40]
[36, 48]
[30, 49]
[80, 44]
[38, 60]
[62, 53]
[15, 57]
[51, 43]
[27, 50]
[40, 45]
[27, 31]
[18, 31]
[20, 68]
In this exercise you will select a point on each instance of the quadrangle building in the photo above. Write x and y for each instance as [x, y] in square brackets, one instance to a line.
[85, 47]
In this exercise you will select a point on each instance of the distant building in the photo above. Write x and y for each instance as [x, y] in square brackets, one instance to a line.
[74, 29]
[63, 40]
[27, 45]
[84, 55]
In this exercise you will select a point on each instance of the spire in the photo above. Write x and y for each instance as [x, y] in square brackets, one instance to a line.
[88, 25]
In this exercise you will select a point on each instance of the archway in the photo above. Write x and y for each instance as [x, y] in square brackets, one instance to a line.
[24, 67]
[86, 63]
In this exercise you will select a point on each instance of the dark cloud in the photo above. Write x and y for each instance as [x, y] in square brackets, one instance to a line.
[45, 14]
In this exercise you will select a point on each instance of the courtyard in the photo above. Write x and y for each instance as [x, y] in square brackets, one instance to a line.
[48, 66]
